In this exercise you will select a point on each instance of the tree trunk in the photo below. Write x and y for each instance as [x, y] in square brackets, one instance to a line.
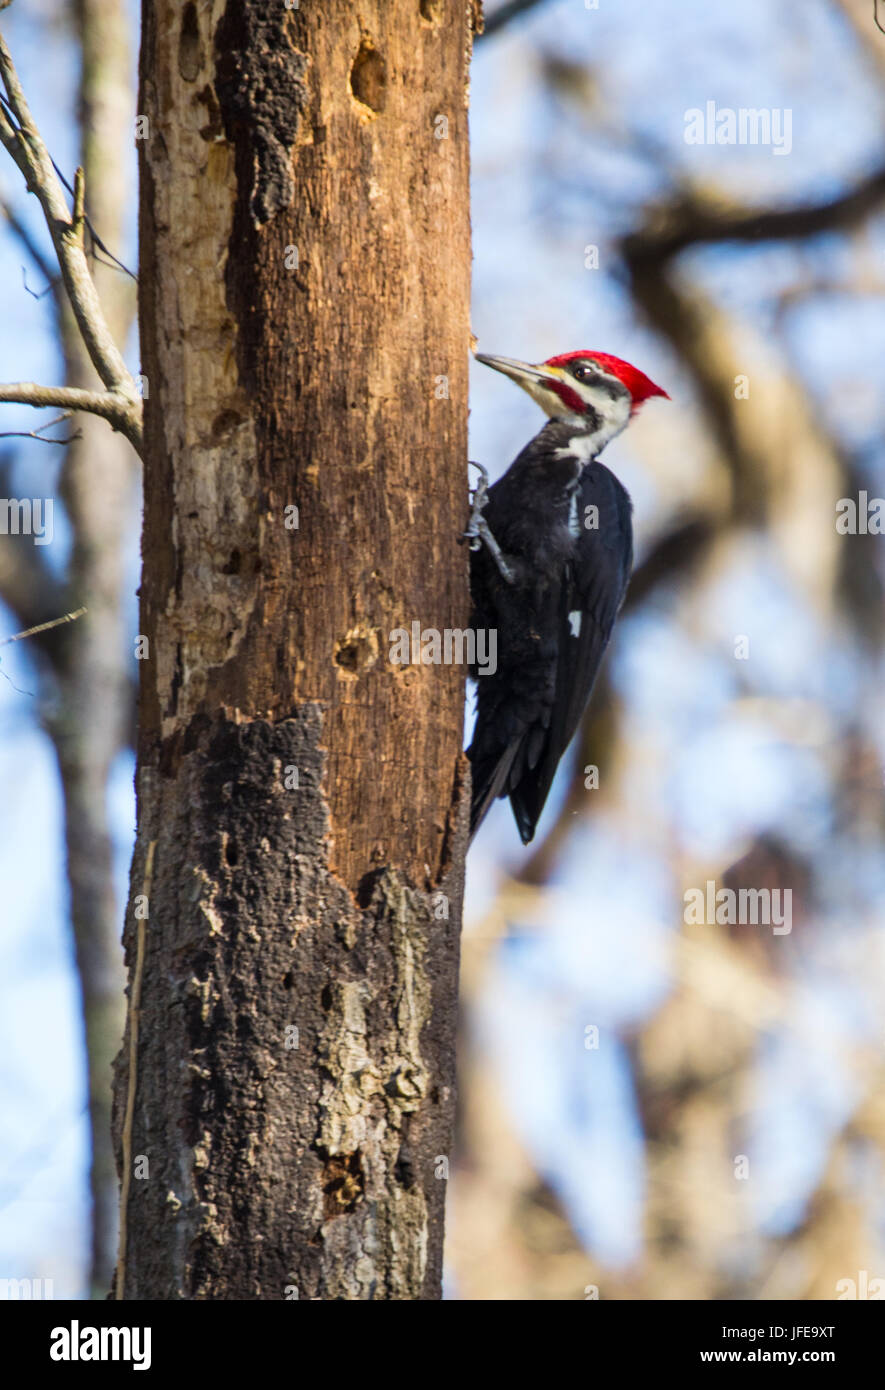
[284, 1100]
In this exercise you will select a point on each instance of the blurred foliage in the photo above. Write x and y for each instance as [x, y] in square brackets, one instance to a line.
[751, 1062]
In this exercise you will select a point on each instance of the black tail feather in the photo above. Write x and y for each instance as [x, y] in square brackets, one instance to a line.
[490, 776]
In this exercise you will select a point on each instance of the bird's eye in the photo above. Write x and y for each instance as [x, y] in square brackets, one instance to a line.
[584, 373]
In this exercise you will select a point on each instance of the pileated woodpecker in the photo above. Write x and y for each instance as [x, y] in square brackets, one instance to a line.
[552, 546]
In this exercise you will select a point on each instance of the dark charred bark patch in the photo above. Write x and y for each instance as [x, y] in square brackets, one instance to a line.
[262, 94]
[257, 1136]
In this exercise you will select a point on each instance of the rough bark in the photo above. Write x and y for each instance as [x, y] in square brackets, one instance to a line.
[308, 379]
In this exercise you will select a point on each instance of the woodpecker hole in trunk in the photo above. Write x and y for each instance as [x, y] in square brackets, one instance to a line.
[368, 77]
[190, 49]
[357, 651]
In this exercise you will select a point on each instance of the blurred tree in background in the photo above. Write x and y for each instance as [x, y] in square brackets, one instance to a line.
[84, 680]
[653, 1108]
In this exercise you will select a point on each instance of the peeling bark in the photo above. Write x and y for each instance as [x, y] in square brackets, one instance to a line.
[304, 290]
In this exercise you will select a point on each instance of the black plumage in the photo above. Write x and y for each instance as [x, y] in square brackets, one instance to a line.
[553, 621]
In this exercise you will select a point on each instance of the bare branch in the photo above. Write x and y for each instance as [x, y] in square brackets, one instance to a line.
[692, 220]
[120, 402]
[122, 413]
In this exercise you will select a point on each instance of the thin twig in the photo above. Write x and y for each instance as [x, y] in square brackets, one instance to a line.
[95, 239]
[120, 402]
[93, 234]
[44, 627]
[39, 432]
[19, 229]
[34, 434]
[33, 293]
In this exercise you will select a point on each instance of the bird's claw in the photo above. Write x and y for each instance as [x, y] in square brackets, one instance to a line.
[478, 532]
[475, 525]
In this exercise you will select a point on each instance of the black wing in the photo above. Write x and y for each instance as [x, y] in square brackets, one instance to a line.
[531, 726]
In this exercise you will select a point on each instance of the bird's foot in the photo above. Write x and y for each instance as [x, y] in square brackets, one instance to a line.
[478, 499]
[478, 532]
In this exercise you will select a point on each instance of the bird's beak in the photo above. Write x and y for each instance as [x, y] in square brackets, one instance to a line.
[525, 374]
[540, 382]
